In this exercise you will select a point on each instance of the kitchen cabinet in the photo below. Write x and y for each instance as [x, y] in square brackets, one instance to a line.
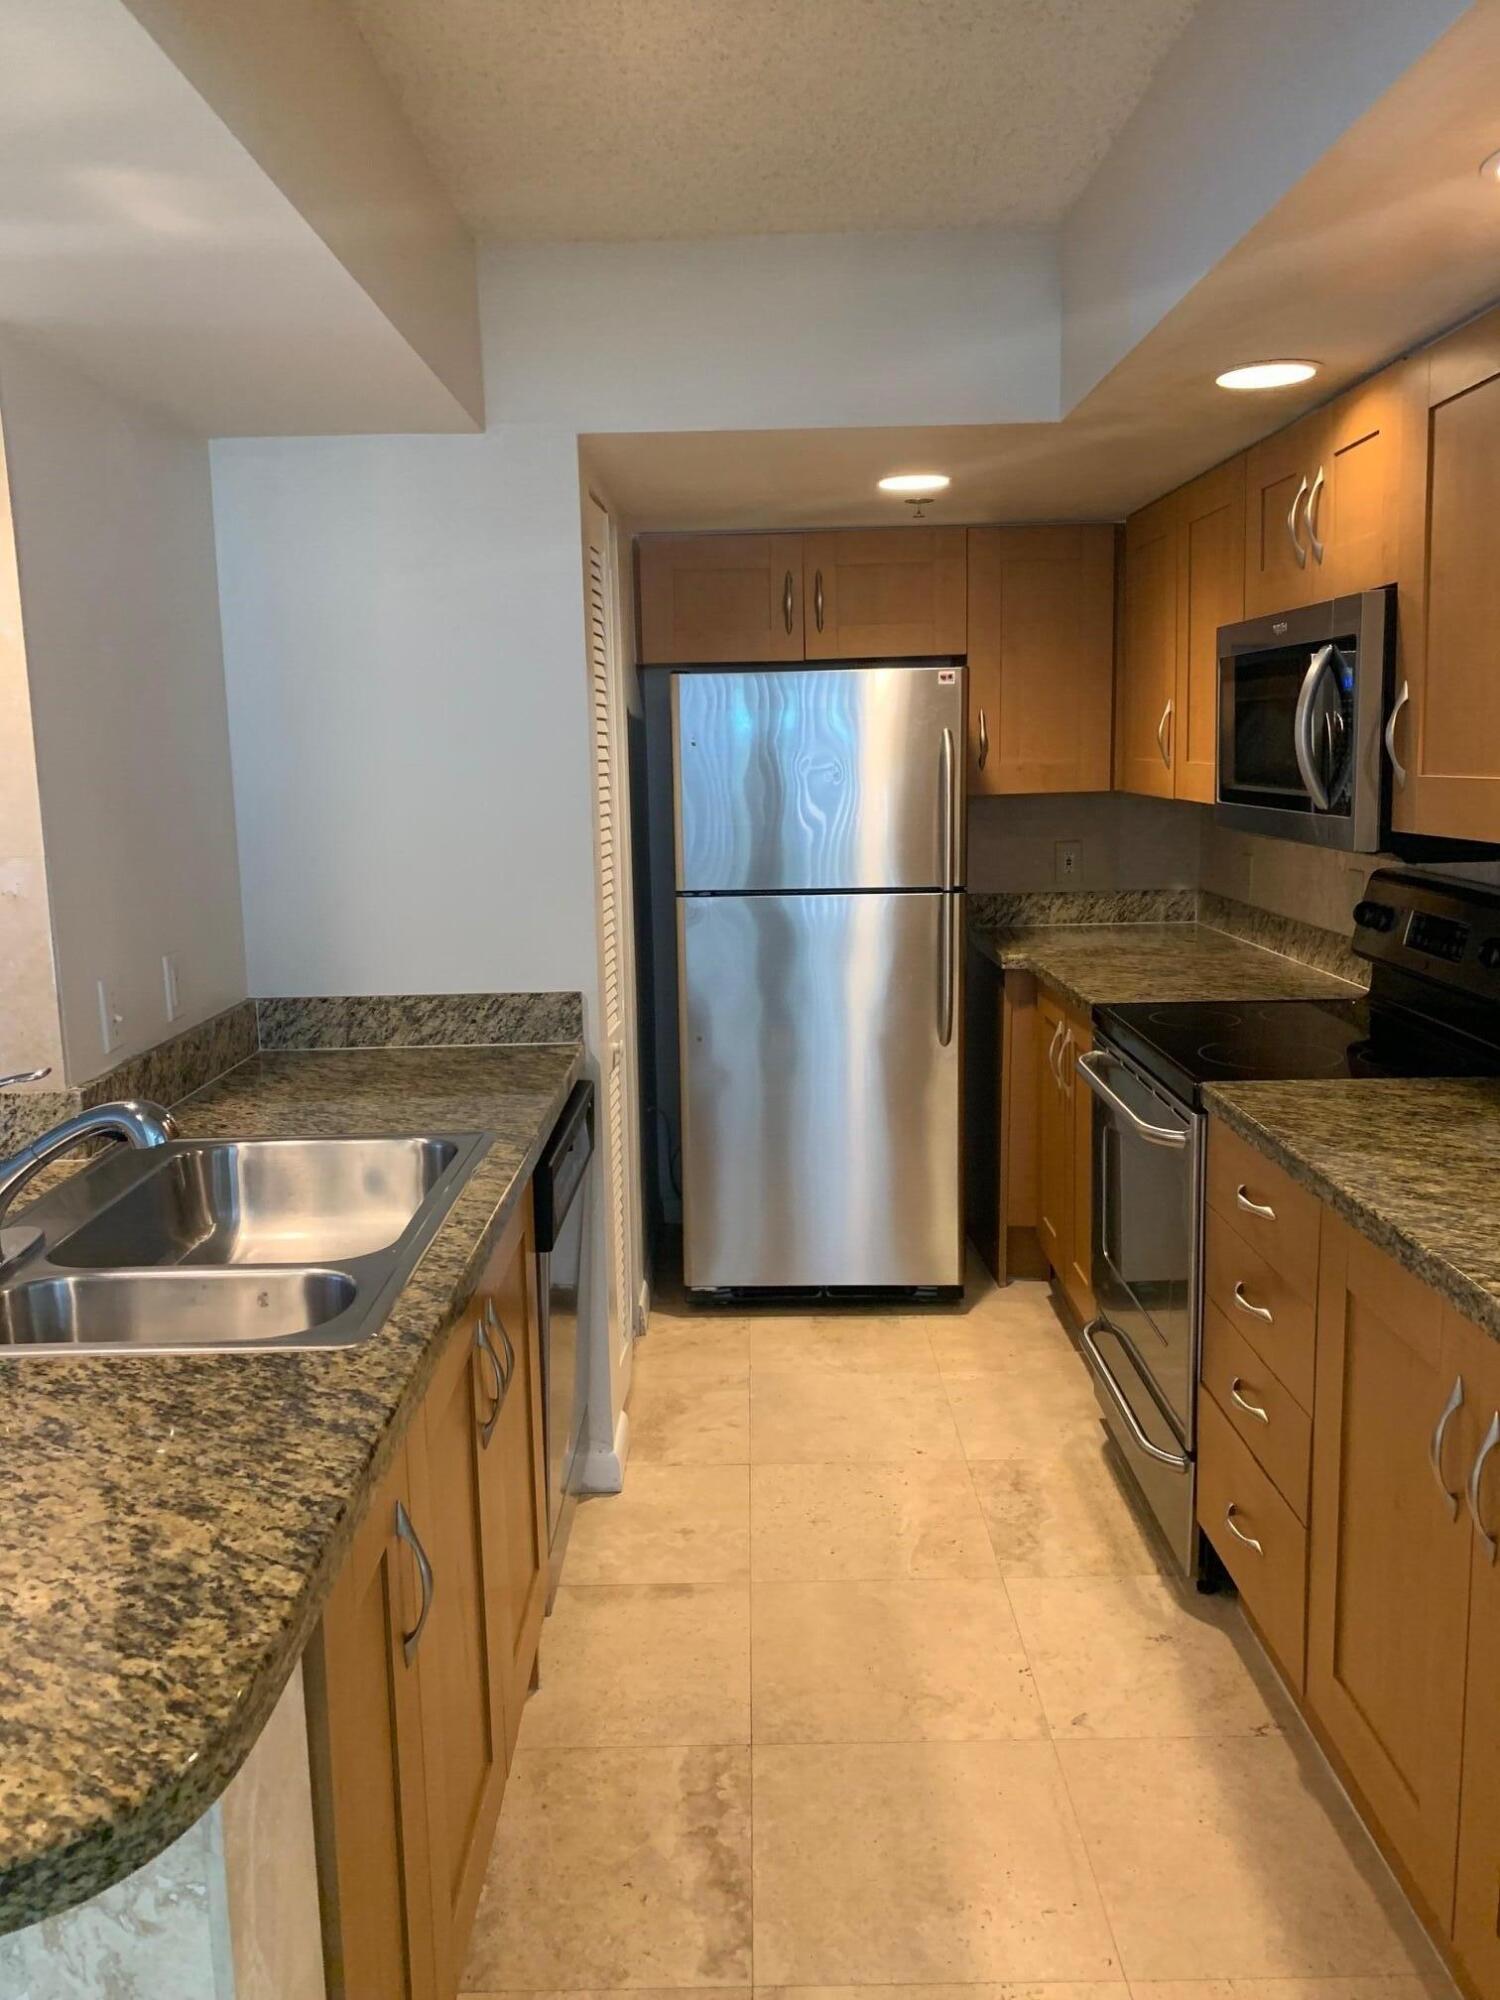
[1146, 687]
[1257, 1534]
[1390, 1553]
[1447, 739]
[419, 1669]
[711, 600]
[1064, 1150]
[883, 593]
[1476, 1924]
[1324, 506]
[1041, 618]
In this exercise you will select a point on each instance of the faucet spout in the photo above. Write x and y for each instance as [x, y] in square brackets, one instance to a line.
[137, 1122]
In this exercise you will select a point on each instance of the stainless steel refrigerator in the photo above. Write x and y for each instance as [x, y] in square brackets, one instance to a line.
[819, 894]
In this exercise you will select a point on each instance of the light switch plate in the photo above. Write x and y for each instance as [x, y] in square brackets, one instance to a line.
[1067, 861]
[111, 1020]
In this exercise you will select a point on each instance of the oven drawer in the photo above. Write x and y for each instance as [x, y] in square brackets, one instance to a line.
[1275, 1316]
[1265, 1206]
[1265, 1416]
[1261, 1541]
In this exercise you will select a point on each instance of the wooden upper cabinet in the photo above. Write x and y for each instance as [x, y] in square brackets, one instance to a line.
[1390, 1552]
[1210, 530]
[1447, 739]
[711, 600]
[881, 593]
[1041, 658]
[1146, 681]
[1476, 1926]
[1280, 473]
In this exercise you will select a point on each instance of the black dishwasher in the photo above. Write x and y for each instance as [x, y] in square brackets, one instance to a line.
[560, 1193]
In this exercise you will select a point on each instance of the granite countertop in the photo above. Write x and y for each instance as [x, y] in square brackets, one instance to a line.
[1098, 965]
[172, 1524]
[1412, 1163]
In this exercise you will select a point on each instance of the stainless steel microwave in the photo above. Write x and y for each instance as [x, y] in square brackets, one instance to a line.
[1303, 705]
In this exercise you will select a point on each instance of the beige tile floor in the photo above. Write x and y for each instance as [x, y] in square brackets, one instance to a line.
[871, 1679]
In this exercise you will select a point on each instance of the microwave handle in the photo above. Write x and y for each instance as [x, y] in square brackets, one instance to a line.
[1303, 731]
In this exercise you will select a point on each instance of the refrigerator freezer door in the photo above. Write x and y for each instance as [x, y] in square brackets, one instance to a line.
[834, 778]
[822, 1040]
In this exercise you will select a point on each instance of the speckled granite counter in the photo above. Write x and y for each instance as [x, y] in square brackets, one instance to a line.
[1412, 1164]
[1097, 965]
[171, 1525]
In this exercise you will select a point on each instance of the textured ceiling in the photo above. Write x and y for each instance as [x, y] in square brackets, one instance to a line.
[577, 120]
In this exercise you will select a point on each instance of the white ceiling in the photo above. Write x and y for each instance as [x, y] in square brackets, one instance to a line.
[584, 120]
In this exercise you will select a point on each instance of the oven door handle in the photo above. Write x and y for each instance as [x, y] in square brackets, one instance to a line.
[1303, 727]
[1121, 1402]
[1154, 1135]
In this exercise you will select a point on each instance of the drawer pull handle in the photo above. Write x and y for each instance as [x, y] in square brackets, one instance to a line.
[1261, 1208]
[1239, 1533]
[485, 1348]
[1252, 1409]
[408, 1534]
[1491, 1439]
[1245, 1305]
[1435, 1448]
[787, 602]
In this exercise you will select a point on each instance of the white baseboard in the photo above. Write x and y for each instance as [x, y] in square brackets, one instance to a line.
[604, 1468]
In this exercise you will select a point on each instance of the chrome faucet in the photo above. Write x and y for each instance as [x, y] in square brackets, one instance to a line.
[137, 1123]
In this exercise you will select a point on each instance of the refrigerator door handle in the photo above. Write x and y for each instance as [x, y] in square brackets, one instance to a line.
[949, 829]
[945, 972]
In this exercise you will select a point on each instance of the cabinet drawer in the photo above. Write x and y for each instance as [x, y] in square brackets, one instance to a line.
[1241, 1384]
[1260, 1304]
[1272, 1578]
[1265, 1206]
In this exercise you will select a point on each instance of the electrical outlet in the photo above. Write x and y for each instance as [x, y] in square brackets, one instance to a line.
[1068, 860]
[111, 1020]
[170, 988]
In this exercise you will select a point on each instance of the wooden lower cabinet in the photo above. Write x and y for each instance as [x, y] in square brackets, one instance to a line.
[419, 1669]
[1065, 1150]
[1476, 1917]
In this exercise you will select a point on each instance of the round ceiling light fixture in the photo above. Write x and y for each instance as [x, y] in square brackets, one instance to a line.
[1267, 375]
[915, 482]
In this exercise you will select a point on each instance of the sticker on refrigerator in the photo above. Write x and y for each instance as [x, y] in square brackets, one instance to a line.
[947, 676]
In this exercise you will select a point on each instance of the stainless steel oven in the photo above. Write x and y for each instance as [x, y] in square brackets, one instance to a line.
[1303, 720]
[1142, 1348]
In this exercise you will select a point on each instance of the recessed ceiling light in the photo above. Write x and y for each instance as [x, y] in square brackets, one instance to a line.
[1267, 375]
[915, 482]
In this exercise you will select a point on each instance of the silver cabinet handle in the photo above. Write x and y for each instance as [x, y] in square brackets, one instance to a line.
[1261, 1208]
[1491, 1439]
[945, 970]
[484, 1347]
[1291, 525]
[786, 603]
[984, 741]
[1118, 1397]
[1251, 1409]
[1067, 1062]
[1161, 735]
[1312, 516]
[1155, 1135]
[408, 1534]
[1256, 1312]
[498, 1326]
[1435, 1448]
[818, 599]
[1052, 1047]
[1239, 1533]
[1398, 769]
[26, 1076]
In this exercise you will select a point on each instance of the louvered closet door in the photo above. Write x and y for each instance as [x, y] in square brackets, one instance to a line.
[616, 971]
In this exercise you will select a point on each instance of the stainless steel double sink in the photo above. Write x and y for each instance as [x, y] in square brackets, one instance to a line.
[208, 1246]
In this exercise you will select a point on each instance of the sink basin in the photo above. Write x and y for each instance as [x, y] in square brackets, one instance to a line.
[176, 1310]
[220, 1246]
[262, 1201]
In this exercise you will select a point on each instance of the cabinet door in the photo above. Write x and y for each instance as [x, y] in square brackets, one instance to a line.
[709, 600]
[882, 593]
[1041, 659]
[375, 1880]
[1210, 593]
[1448, 741]
[1077, 1274]
[1280, 471]
[1366, 459]
[1146, 682]
[1389, 1578]
[1476, 1927]
[1054, 1138]
[515, 1491]
[462, 1689]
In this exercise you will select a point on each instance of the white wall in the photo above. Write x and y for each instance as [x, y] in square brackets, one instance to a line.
[119, 604]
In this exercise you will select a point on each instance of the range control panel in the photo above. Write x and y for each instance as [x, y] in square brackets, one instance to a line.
[1442, 930]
